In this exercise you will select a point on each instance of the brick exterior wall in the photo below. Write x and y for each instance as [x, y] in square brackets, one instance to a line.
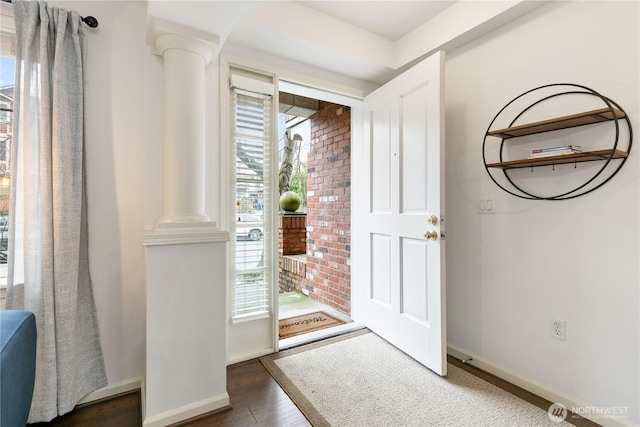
[292, 240]
[329, 207]
[293, 270]
[292, 234]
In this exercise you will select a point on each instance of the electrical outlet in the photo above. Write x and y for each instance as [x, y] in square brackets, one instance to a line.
[558, 329]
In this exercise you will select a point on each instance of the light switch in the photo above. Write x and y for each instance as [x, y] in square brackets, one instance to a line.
[482, 204]
[489, 205]
[486, 205]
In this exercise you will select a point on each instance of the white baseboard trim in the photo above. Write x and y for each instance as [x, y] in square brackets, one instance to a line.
[112, 389]
[188, 411]
[534, 387]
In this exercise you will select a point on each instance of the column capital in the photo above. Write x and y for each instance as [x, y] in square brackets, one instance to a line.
[164, 35]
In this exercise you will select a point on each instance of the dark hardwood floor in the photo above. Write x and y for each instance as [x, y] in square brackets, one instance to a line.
[256, 400]
[122, 410]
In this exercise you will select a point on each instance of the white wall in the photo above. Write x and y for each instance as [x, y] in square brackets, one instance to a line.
[123, 110]
[577, 260]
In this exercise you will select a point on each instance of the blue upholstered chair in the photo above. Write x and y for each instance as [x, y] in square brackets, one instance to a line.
[17, 366]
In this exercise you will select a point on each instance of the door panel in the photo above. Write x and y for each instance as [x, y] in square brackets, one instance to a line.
[413, 108]
[381, 159]
[414, 274]
[404, 181]
[381, 269]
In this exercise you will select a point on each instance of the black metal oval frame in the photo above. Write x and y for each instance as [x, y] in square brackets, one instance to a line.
[568, 194]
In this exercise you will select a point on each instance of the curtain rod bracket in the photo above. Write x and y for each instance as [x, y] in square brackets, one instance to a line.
[90, 21]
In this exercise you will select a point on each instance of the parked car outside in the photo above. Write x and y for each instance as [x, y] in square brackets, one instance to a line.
[249, 226]
[4, 238]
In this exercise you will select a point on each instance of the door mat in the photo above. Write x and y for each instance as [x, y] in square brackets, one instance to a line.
[307, 323]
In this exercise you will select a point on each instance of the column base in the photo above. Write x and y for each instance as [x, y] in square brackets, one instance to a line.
[184, 219]
[178, 233]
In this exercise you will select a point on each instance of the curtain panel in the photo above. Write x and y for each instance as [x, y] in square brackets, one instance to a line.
[48, 238]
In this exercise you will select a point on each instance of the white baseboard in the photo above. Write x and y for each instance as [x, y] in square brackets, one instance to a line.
[112, 389]
[187, 411]
[534, 387]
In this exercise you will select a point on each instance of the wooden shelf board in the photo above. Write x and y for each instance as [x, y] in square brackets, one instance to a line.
[573, 120]
[587, 156]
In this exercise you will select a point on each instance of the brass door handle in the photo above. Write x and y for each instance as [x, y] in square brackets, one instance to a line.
[432, 219]
[431, 235]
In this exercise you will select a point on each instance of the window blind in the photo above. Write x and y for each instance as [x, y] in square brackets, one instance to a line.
[8, 30]
[251, 127]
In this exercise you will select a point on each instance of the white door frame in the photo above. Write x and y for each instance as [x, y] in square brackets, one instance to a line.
[357, 140]
[283, 81]
[358, 182]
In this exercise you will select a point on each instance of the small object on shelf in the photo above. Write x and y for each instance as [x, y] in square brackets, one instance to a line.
[560, 148]
[553, 153]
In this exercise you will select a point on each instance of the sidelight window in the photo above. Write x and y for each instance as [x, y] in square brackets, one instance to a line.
[252, 146]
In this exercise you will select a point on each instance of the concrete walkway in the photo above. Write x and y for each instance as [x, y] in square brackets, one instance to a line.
[293, 304]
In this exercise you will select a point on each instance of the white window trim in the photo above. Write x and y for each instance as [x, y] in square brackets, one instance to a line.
[227, 178]
[284, 78]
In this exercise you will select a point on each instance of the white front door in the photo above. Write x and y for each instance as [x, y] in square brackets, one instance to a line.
[403, 295]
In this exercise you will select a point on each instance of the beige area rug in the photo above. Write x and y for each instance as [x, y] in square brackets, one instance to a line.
[362, 381]
[306, 323]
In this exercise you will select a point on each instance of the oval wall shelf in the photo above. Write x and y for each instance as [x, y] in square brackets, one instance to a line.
[615, 156]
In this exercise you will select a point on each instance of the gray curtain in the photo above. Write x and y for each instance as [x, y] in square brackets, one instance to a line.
[48, 246]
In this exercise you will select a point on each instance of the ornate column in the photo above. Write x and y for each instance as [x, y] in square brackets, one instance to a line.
[185, 54]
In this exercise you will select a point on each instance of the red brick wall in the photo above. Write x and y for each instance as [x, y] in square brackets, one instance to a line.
[329, 207]
[292, 273]
[292, 236]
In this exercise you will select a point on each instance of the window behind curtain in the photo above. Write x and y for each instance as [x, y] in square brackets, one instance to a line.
[251, 135]
[7, 80]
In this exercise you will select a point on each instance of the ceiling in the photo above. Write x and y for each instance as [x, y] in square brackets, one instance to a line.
[390, 20]
[366, 42]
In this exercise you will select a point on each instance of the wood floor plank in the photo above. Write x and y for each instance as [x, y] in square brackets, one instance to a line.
[122, 410]
[256, 400]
